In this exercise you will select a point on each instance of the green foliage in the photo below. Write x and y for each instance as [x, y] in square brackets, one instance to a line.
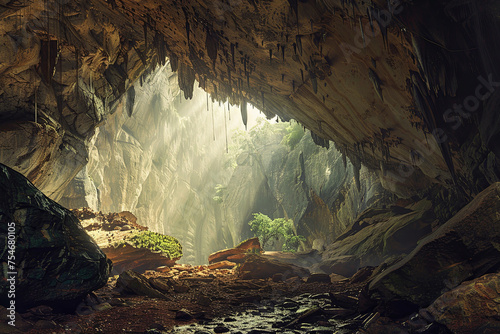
[294, 133]
[267, 229]
[165, 244]
[219, 193]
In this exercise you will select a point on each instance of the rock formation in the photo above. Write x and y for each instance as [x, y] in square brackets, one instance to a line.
[54, 260]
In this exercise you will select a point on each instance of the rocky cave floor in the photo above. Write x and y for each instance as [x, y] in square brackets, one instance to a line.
[201, 300]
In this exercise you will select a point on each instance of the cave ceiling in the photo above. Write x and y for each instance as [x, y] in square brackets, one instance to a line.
[377, 78]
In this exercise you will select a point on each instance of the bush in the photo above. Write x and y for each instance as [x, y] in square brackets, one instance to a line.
[165, 244]
[267, 229]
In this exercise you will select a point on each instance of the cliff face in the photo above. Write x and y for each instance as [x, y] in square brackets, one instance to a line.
[281, 172]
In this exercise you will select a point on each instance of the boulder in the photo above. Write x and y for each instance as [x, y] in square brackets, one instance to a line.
[256, 266]
[55, 260]
[236, 254]
[222, 265]
[376, 236]
[464, 247]
[134, 283]
[127, 257]
[472, 307]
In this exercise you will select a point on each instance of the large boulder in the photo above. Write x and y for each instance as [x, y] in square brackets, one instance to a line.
[55, 260]
[377, 236]
[473, 307]
[238, 253]
[257, 266]
[463, 248]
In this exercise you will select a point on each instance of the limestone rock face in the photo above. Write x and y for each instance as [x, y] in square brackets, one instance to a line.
[55, 260]
[65, 72]
[464, 247]
[472, 307]
[378, 235]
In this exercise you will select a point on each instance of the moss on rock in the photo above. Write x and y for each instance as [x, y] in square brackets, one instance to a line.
[167, 245]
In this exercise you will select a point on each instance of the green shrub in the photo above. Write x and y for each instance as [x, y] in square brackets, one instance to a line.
[267, 229]
[165, 244]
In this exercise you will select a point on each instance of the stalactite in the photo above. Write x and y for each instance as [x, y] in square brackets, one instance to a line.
[282, 78]
[298, 40]
[370, 19]
[320, 141]
[294, 48]
[232, 53]
[243, 110]
[213, 121]
[225, 128]
[293, 85]
[270, 56]
[382, 24]
[294, 4]
[283, 52]
[376, 83]
[36, 106]
[188, 28]
[211, 45]
[302, 75]
[263, 100]
[362, 32]
[77, 66]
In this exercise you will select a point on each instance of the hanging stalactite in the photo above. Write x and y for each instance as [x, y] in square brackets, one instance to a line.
[211, 45]
[298, 40]
[244, 116]
[225, 128]
[377, 83]
[213, 121]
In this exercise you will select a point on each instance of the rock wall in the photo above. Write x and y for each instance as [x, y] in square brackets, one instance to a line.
[309, 184]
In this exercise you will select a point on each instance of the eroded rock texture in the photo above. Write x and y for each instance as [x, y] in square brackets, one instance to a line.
[465, 247]
[54, 258]
[380, 79]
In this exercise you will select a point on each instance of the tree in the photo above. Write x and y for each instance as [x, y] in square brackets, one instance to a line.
[267, 229]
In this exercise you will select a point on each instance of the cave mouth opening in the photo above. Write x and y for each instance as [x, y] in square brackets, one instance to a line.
[196, 169]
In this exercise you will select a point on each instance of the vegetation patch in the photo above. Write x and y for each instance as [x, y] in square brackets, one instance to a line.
[167, 245]
[268, 229]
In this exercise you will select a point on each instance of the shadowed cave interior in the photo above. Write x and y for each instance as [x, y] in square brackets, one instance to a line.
[312, 166]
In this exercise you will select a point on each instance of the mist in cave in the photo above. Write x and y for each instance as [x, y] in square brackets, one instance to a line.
[164, 162]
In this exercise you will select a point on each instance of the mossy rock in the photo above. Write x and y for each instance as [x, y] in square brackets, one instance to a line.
[165, 244]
